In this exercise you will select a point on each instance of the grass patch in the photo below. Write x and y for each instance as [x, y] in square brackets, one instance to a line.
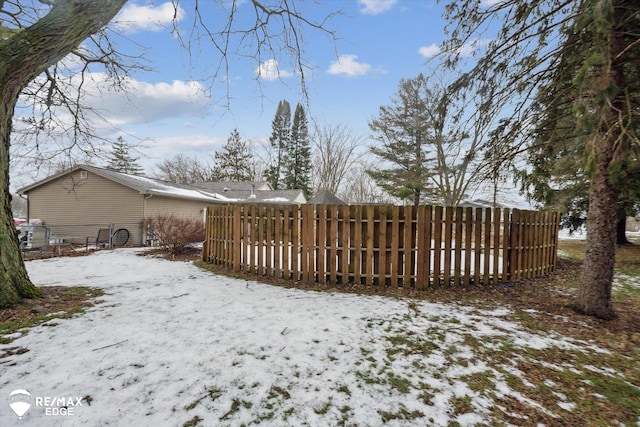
[323, 409]
[236, 404]
[57, 303]
[192, 422]
[276, 392]
[402, 385]
[212, 392]
[401, 414]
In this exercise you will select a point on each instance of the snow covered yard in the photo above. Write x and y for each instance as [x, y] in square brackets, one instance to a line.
[172, 345]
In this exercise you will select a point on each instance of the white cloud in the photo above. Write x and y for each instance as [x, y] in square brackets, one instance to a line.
[269, 70]
[347, 64]
[489, 3]
[169, 146]
[375, 7]
[465, 50]
[468, 49]
[138, 101]
[148, 102]
[147, 18]
[429, 51]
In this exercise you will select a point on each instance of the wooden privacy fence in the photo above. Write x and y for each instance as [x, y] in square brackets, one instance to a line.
[398, 246]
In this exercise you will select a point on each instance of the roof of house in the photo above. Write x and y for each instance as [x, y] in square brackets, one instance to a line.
[225, 186]
[480, 203]
[236, 192]
[325, 197]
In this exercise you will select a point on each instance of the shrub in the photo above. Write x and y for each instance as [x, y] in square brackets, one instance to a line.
[173, 233]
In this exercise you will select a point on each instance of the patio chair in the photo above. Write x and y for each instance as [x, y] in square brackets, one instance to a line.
[104, 237]
[36, 240]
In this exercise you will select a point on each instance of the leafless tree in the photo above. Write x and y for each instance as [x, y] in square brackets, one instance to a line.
[335, 153]
[183, 169]
[360, 188]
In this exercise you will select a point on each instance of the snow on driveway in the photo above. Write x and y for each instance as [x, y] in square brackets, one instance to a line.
[171, 344]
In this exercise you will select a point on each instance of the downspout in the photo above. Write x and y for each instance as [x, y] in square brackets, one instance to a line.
[27, 199]
[144, 217]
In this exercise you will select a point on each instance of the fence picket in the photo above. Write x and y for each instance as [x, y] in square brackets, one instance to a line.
[409, 245]
[395, 242]
[437, 244]
[296, 249]
[344, 243]
[457, 244]
[423, 248]
[486, 245]
[321, 248]
[382, 248]
[468, 234]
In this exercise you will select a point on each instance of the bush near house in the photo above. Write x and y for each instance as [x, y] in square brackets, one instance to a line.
[174, 234]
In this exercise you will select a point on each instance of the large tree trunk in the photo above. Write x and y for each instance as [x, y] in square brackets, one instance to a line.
[594, 295]
[23, 56]
[14, 282]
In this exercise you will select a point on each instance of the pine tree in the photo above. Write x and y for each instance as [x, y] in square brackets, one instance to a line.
[233, 163]
[121, 161]
[297, 170]
[596, 43]
[404, 130]
[279, 139]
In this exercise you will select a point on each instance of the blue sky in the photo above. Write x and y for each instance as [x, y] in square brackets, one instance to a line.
[174, 108]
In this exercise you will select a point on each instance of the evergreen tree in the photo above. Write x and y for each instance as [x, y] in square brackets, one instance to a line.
[596, 43]
[558, 174]
[297, 170]
[403, 129]
[279, 140]
[121, 161]
[233, 163]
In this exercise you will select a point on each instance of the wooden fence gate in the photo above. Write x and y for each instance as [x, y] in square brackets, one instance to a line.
[398, 246]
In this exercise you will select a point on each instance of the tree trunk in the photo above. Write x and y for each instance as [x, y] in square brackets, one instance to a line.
[594, 295]
[23, 56]
[14, 282]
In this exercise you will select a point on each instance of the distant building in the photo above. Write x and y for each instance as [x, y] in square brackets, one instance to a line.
[325, 197]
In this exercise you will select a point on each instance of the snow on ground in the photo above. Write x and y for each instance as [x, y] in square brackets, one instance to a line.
[170, 342]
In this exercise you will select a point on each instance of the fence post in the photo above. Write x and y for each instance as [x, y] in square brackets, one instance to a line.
[207, 233]
[110, 234]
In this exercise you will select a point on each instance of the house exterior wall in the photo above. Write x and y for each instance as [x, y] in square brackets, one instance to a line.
[70, 201]
[158, 205]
